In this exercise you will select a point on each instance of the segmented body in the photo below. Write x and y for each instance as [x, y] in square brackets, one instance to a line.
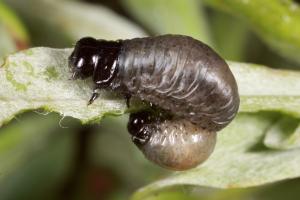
[181, 75]
[190, 84]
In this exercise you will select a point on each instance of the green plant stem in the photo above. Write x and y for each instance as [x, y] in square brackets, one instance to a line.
[277, 22]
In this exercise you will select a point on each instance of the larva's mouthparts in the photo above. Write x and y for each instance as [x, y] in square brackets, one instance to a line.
[174, 144]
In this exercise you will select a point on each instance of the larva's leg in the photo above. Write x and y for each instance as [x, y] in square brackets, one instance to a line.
[94, 96]
[127, 97]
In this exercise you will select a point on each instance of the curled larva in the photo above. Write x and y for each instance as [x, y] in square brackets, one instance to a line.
[175, 144]
[179, 75]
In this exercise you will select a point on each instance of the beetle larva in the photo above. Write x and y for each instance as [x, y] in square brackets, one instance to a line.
[178, 74]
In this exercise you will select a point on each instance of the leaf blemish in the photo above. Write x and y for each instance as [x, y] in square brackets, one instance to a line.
[28, 52]
[51, 73]
[18, 86]
[29, 68]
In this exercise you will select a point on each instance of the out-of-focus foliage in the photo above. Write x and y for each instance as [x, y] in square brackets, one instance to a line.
[277, 22]
[41, 160]
[177, 17]
[13, 34]
[231, 46]
[61, 23]
[33, 156]
[7, 43]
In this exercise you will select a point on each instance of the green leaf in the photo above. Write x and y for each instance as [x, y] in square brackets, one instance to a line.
[286, 190]
[171, 195]
[277, 22]
[265, 89]
[239, 160]
[13, 23]
[171, 16]
[39, 78]
[284, 134]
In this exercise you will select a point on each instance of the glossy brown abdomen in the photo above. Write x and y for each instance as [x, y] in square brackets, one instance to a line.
[182, 75]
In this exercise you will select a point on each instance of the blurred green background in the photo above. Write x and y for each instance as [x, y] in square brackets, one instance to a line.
[43, 155]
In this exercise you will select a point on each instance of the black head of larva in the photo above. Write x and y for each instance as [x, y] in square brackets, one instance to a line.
[82, 60]
[95, 58]
[136, 126]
